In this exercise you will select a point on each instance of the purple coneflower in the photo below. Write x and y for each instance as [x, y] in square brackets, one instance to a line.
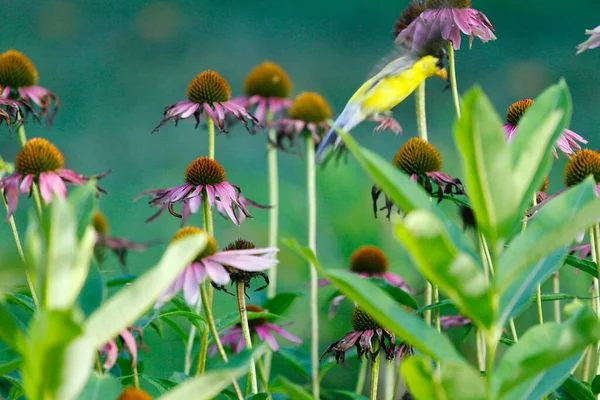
[111, 351]
[18, 80]
[368, 262]
[238, 275]
[448, 18]
[365, 330]
[203, 177]
[567, 142]
[267, 88]
[308, 114]
[237, 211]
[423, 163]
[119, 246]
[234, 339]
[213, 263]
[592, 42]
[40, 162]
[210, 93]
[134, 394]
[454, 321]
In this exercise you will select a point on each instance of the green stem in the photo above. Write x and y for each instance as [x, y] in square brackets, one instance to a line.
[362, 377]
[241, 301]
[453, 85]
[481, 350]
[490, 346]
[263, 377]
[190, 345]
[311, 183]
[428, 301]
[595, 247]
[538, 298]
[421, 111]
[375, 373]
[21, 130]
[556, 289]
[390, 380]
[136, 377]
[201, 366]
[513, 330]
[436, 312]
[210, 320]
[211, 138]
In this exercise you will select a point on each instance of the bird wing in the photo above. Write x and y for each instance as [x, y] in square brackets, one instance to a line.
[395, 67]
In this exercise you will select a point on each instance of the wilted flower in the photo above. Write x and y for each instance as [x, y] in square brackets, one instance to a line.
[365, 330]
[208, 92]
[41, 163]
[592, 42]
[214, 263]
[308, 114]
[238, 275]
[423, 163]
[111, 351]
[368, 262]
[134, 394]
[14, 110]
[203, 177]
[18, 80]
[447, 18]
[267, 88]
[567, 142]
[104, 240]
[234, 338]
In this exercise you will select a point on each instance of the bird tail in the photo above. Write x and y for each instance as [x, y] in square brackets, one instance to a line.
[348, 119]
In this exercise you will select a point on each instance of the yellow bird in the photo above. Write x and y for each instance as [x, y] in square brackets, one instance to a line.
[389, 87]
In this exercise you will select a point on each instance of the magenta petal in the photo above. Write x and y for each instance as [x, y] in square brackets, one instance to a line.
[26, 184]
[283, 333]
[131, 345]
[57, 185]
[265, 335]
[112, 352]
[45, 188]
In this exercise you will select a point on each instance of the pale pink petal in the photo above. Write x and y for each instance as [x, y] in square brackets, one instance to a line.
[283, 333]
[112, 352]
[333, 306]
[45, 187]
[216, 271]
[191, 286]
[26, 184]
[131, 345]
[264, 334]
[56, 184]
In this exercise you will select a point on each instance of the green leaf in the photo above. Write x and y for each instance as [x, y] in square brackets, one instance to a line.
[438, 305]
[487, 169]
[161, 385]
[281, 302]
[127, 305]
[555, 225]
[283, 385]
[379, 305]
[517, 296]
[456, 380]
[538, 130]
[576, 390]
[259, 396]
[229, 320]
[587, 266]
[10, 332]
[397, 294]
[345, 394]
[101, 387]
[545, 346]
[596, 384]
[297, 358]
[457, 274]
[93, 292]
[83, 201]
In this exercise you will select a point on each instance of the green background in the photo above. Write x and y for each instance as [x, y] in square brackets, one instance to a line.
[115, 65]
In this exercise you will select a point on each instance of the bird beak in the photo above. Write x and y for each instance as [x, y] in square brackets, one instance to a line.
[442, 73]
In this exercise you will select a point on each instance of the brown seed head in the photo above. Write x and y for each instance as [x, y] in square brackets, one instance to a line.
[240, 244]
[409, 14]
[134, 394]
[437, 4]
[256, 321]
[310, 107]
[516, 111]
[16, 70]
[361, 321]
[211, 245]
[368, 260]
[204, 171]
[268, 80]
[100, 224]
[37, 156]
[418, 156]
[583, 164]
[208, 87]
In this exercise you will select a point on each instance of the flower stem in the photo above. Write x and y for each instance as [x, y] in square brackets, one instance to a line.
[136, 378]
[436, 312]
[263, 377]
[538, 300]
[362, 375]
[513, 330]
[211, 324]
[312, 245]
[375, 373]
[421, 112]
[211, 138]
[490, 346]
[241, 300]
[201, 367]
[390, 381]
[556, 289]
[481, 353]
[595, 247]
[453, 85]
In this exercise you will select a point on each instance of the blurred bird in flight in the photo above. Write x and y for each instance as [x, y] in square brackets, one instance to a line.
[386, 89]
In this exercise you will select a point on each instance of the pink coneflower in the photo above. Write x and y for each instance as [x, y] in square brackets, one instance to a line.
[111, 351]
[267, 89]
[567, 142]
[239, 214]
[592, 42]
[234, 339]
[421, 161]
[210, 93]
[203, 177]
[454, 321]
[447, 18]
[364, 330]
[214, 264]
[239, 275]
[368, 262]
[18, 80]
[118, 246]
[41, 163]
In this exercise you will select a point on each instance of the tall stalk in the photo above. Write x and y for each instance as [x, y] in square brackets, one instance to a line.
[375, 372]
[453, 85]
[241, 301]
[22, 136]
[311, 183]
[360, 381]
[595, 247]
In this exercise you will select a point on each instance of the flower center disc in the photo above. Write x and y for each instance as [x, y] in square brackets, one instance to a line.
[417, 156]
[204, 171]
[187, 231]
[240, 244]
[37, 156]
[409, 14]
[268, 80]
[437, 4]
[208, 87]
[368, 260]
[583, 164]
[134, 394]
[16, 70]
[516, 111]
[256, 321]
[310, 107]
[361, 321]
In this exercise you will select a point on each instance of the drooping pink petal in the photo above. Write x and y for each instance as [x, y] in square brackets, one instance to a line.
[333, 306]
[246, 263]
[283, 333]
[191, 286]
[131, 345]
[45, 188]
[210, 194]
[216, 271]
[226, 202]
[171, 291]
[184, 109]
[72, 176]
[26, 184]
[264, 334]
[112, 352]
[56, 184]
